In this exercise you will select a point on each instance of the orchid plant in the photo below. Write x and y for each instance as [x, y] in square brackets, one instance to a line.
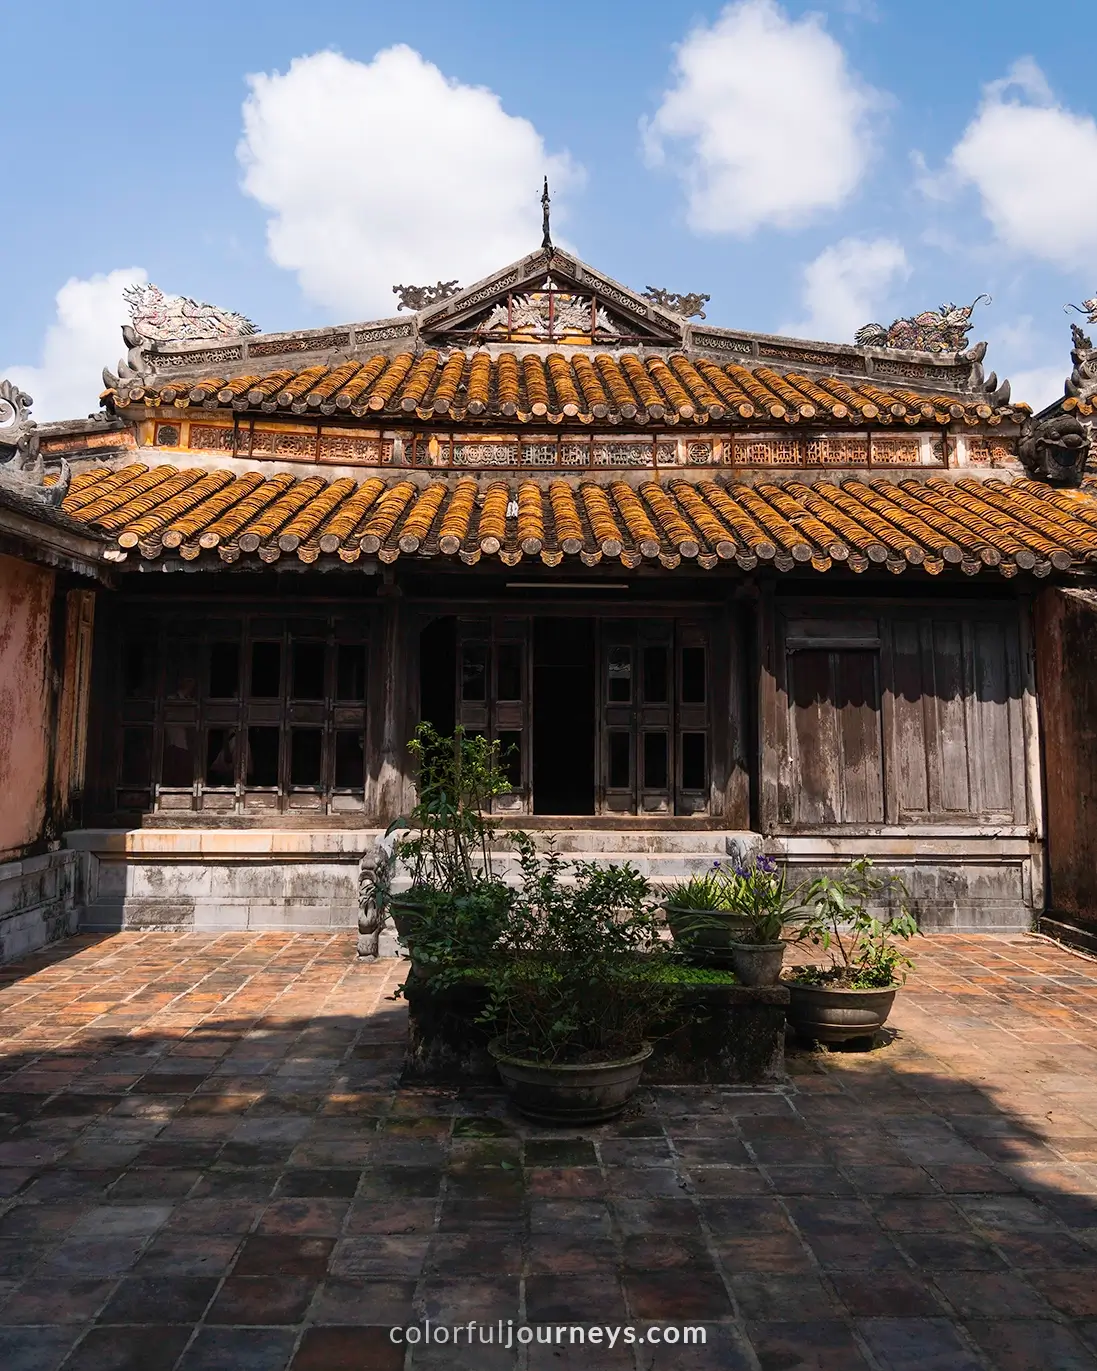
[759, 891]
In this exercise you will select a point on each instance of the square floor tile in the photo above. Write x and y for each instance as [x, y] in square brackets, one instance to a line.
[159, 1299]
[820, 1345]
[348, 1349]
[35, 1349]
[148, 1348]
[239, 1349]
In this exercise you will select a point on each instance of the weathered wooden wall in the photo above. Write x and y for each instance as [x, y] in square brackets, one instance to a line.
[906, 731]
[1066, 644]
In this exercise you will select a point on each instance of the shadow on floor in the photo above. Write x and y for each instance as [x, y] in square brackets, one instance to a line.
[218, 1170]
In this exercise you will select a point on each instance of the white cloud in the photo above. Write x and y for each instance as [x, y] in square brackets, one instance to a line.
[1039, 386]
[1034, 165]
[766, 123]
[845, 285]
[388, 172]
[84, 336]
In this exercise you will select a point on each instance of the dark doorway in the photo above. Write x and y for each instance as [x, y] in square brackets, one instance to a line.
[563, 716]
[437, 673]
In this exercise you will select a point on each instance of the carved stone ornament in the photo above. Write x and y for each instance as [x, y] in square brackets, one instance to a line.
[1082, 382]
[934, 330]
[375, 872]
[422, 297]
[160, 318]
[22, 469]
[688, 306]
[998, 392]
[1088, 308]
[1055, 449]
[546, 314]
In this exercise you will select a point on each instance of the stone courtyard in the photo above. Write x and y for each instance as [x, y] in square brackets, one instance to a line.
[207, 1164]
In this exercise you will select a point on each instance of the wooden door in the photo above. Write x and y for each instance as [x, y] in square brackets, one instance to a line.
[835, 746]
[653, 682]
[493, 697]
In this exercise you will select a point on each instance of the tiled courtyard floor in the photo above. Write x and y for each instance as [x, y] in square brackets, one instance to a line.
[205, 1164]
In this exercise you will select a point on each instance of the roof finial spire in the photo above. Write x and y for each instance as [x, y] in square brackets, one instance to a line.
[546, 240]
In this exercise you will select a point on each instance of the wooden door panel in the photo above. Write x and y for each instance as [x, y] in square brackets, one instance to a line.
[652, 696]
[837, 773]
[815, 785]
[493, 698]
[858, 719]
[909, 761]
[994, 735]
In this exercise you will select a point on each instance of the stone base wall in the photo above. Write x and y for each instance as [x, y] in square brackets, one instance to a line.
[39, 902]
[206, 879]
[960, 882]
[964, 881]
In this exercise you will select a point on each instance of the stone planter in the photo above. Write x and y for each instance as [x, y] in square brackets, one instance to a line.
[757, 963]
[830, 1015]
[706, 934]
[570, 1095]
[719, 1035]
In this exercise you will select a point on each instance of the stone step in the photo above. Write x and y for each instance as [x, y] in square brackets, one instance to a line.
[662, 856]
[653, 841]
[659, 868]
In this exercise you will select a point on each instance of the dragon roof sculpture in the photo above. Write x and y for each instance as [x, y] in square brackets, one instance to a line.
[689, 306]
[934, 330]
[22, 469]
[1088, 308]
[160, 318]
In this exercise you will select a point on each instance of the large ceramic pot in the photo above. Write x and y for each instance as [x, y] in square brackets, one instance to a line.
[830, 1015]
[563, 1094]
[706, 935]
[757, 963]
[406, 911]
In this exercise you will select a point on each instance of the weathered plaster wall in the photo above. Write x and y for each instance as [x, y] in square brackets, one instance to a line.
[1066, 659]
[26, 596]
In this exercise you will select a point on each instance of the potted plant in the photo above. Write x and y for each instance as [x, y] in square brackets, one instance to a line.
[701, 918]
[446, 842]
[574, 988]
[761, 894]
[851, 997]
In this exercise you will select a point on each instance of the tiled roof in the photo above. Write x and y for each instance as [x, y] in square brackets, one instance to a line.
[534, 388]
[929, 523]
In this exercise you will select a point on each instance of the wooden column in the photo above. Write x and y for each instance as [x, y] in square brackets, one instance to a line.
[732, 725]
[394, 703]
[769, 704]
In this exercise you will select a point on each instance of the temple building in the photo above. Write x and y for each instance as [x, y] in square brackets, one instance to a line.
[699, 583]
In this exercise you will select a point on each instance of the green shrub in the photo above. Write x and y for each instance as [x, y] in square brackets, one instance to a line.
[576, 975]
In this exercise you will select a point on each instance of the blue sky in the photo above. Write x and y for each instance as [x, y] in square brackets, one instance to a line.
[811, 167]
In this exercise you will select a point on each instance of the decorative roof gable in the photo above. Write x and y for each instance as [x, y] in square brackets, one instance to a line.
[550, 297]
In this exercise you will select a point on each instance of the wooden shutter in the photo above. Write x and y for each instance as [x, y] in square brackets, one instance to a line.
[835, 770]
[957, 736]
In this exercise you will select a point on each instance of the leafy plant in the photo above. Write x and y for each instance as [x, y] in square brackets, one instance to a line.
[457, 779]
[707, 891]
[574, 978]
[761, 893]
[864, 951]
[458, 929]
